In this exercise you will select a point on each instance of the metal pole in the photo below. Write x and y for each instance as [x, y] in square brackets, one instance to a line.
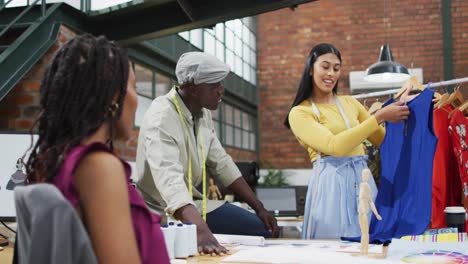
[447, 40]
[43, 8]
[88, 6]
[393, 91]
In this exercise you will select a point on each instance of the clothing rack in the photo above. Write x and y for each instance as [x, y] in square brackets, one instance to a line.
[394, 91]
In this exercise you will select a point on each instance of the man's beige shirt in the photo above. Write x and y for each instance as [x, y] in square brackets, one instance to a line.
[162, 156]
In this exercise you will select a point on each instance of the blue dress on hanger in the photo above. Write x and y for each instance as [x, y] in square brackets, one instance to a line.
[404, 197]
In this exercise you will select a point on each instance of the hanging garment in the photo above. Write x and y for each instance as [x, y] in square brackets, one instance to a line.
[405, 190]
[332, 195]
[457, 130]
[446, 184]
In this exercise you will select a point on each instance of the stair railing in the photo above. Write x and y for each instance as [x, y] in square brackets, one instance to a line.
[24, 12]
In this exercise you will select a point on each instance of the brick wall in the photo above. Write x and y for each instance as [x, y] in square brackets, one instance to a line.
[357, 28]
[460, 40]
[19, 108]
[241, 155]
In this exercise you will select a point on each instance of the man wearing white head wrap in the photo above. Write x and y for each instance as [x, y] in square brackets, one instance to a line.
[177, 130]
[199, 67]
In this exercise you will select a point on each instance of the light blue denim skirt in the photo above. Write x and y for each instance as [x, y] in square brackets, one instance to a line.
[332, 198]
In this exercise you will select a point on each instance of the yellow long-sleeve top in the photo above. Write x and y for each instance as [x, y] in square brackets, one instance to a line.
[330, 136]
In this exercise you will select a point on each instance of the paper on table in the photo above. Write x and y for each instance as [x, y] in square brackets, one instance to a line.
[295, 254]
[323, 251]
[431, 252]
[242, 240]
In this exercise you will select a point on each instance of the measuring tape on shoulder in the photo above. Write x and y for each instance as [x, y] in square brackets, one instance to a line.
[200, 140]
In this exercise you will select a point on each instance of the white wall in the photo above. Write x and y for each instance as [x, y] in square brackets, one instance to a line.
[294, 176]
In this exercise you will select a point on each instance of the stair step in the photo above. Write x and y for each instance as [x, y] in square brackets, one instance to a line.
[3, 47]
[17, 26]
[13, 32]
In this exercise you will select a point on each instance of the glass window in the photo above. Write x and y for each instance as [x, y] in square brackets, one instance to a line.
[230, 58]
[196, 38]
[233, 42]
[144, 81]
[248, 21]
[229, 39]
[163, 84]
[228, 114]
[238, 27]
[246, 122]
[238, 65]
[238, 44]
[253, 41]
[220, 50]
[96, 5]
[185, 35]
[220, 31]
[246, 54]
[252, 141]
[210, 31]
[246, 73]
[245, 140]
[230, 24]
[209, 43]
[253, 76]
[238, 128]
[253, 59]
[246, 35]
[143, 105]
[237, 117]
[229, 135]
[238, 137]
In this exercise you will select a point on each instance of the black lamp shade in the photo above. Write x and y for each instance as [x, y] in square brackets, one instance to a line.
[386, 70]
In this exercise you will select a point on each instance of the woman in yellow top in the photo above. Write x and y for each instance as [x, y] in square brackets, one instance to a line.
[332, 128]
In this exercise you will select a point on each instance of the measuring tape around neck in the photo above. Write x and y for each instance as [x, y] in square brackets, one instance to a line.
[200, 140]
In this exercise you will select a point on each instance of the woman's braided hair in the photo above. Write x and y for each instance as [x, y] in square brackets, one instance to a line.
[83, 88]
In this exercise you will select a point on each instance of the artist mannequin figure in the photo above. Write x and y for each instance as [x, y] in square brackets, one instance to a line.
[363, 208]
[213, 191]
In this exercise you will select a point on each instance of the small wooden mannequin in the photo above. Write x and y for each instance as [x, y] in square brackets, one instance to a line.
[213, 191]
[365, 200]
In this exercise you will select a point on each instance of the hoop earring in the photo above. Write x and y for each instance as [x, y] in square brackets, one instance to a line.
[112, 109]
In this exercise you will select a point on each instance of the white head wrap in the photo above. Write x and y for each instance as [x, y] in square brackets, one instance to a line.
[200, 67]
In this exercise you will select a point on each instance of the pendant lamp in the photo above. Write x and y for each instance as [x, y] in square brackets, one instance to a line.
[386, 70]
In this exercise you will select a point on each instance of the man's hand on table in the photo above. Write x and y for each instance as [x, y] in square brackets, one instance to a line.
[269, 221]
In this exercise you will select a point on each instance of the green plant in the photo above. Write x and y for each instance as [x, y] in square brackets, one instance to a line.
[274, 178]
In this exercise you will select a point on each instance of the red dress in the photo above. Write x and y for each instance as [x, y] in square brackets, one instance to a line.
[457, 129]
[445, 177]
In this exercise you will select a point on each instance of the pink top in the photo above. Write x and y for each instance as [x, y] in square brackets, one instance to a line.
[145, 224]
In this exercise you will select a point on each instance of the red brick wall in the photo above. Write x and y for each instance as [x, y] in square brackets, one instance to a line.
[241, 155]
[19, 108]
[357, 29]
[460, 40]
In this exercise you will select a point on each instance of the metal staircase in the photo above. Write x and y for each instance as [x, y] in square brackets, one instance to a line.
[25, 35]
[27, 32]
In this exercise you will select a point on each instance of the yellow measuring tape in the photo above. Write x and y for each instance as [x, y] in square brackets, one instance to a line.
[200, 140]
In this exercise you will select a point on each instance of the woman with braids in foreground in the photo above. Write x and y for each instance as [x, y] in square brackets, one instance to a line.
[88, 99]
